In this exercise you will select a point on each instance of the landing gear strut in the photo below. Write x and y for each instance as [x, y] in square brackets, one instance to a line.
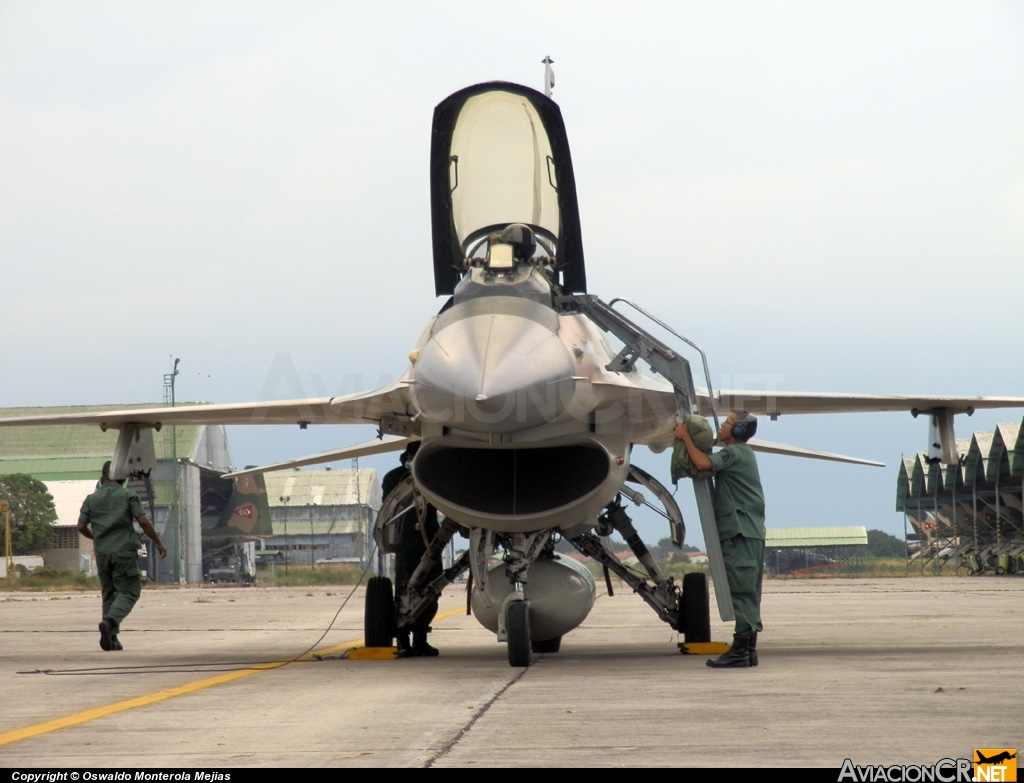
[685, 610]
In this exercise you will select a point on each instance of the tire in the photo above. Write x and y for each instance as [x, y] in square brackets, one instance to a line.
[517, 627]
[379, 616]
[696, 608]
[547, 646]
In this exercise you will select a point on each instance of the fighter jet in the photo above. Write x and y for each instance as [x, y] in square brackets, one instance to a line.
[525, 413]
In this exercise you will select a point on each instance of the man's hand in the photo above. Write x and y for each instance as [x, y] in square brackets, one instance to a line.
[683, 433]
[150, 531]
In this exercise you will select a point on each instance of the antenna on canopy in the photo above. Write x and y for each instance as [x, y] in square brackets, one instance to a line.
[549, 76]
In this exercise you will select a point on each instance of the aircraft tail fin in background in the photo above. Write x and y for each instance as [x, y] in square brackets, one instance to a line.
[247, 513]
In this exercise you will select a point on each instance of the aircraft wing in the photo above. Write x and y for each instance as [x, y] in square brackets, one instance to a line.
[654, 417]
[360, 408]
[778, 403]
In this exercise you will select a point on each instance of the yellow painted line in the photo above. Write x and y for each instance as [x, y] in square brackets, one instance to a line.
[112, 709]
[449, 613]
[79, 718]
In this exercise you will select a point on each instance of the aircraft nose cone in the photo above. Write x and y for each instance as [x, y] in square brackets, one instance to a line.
[492, 373]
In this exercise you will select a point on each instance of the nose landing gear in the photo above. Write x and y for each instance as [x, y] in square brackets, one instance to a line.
[517, 629]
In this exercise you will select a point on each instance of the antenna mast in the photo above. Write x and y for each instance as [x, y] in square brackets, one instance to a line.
[549, 76]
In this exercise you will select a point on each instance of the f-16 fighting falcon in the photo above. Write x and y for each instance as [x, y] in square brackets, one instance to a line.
[525, 414]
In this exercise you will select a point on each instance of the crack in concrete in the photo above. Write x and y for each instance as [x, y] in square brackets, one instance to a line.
[447, 747]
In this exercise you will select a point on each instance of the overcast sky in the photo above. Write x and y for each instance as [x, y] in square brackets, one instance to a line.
[825, 196]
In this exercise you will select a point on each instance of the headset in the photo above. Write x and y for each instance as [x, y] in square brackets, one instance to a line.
[742, 430]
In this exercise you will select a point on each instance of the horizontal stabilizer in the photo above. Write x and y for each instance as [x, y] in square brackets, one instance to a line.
[766, 447]
[382, 446]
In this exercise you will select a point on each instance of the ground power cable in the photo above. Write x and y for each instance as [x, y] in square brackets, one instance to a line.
[200, 668]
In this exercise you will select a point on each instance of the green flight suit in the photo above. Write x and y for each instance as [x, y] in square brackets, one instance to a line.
[739, 514]
[413, 547]
[110, 513]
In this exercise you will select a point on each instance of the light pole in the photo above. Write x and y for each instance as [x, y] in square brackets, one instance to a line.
[365, 535]
[312, 541]
[175, 474]
[5, 509]
[284, 501]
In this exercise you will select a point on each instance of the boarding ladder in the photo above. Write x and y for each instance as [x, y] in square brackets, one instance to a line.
[640, 344]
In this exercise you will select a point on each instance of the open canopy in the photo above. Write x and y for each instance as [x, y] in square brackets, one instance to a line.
[500, 156]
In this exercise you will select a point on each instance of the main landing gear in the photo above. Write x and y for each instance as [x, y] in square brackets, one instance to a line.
[379, 613]
[686, 609]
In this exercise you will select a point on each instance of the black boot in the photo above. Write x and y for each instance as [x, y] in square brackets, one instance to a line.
[108, 630]
[420, 647]
[402, 642]
[753, 649]
[738, 656]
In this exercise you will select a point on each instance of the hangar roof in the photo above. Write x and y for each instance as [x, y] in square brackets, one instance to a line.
[816, 536]
[67, 498]
[75, 452]
[983, 457]
[323, 487]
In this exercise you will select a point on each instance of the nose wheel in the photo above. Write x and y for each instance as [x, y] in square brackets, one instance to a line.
[517, 629]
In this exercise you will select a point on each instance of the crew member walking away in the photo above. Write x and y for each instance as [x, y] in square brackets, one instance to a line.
[106, 517]
[739, 514]
[417, 530]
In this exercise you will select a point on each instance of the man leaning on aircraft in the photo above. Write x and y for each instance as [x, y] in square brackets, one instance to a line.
[739, 514]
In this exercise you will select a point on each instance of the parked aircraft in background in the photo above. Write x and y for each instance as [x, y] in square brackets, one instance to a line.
[526, 415]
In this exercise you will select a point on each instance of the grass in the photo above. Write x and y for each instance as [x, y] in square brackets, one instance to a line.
[304, 576]
[47, 579]
[875, 567]
[865, 568]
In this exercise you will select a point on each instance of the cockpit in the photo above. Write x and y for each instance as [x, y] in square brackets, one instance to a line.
[503, 194]
[512, 262]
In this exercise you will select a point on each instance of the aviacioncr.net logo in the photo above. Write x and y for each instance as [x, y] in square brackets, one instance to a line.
[995, 764]
[942, 771]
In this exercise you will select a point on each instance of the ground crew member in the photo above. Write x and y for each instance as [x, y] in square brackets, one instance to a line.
[106, 518]
[416, 532]
[739, 514]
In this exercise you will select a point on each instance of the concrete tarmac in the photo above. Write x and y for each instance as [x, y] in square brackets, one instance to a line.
[881, 671]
